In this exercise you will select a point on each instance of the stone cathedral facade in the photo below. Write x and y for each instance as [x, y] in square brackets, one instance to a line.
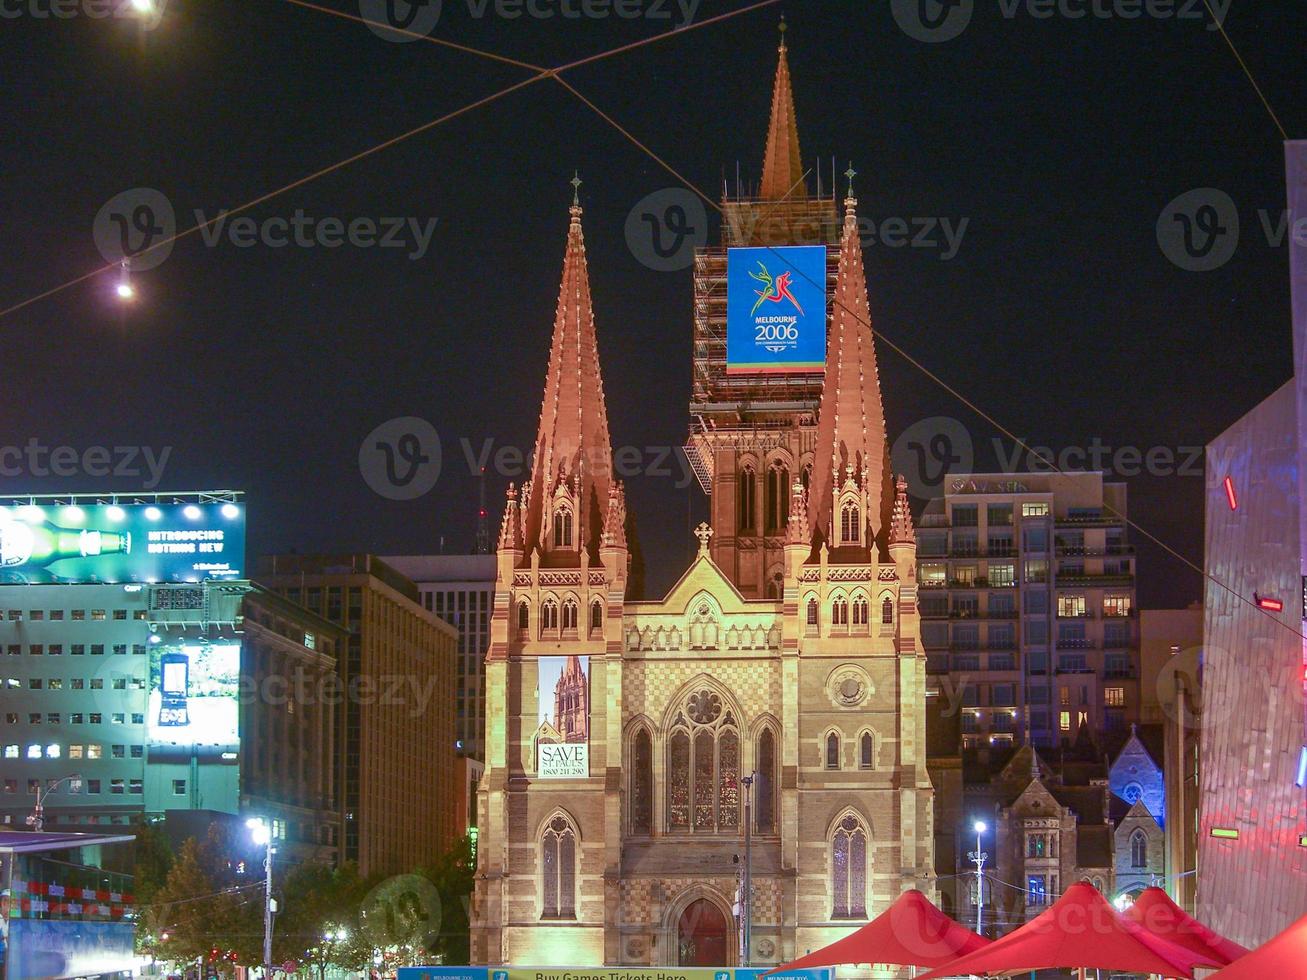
[788, 651]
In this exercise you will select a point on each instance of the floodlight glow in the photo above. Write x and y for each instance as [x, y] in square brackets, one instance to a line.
[115, 513]
[153, 513]
[980, 826]
[125, 291]
[72, 514]
[191, 511]
[230, 511]
[31, 513]
[259, 830]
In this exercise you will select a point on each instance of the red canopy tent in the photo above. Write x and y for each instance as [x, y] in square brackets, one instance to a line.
[1283, 956]
[911, 932]
[1079, 930]
[1155, 911]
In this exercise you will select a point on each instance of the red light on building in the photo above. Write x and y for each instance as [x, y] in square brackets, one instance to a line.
[1230, 495]
[1267, 603]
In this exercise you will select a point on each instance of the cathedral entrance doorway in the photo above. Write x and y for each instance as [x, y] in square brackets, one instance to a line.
[703, 935]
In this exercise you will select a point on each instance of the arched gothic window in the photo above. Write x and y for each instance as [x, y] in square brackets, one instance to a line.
[764, 786]
[703, 766]
[523, 615]
[1138, 850]
[558, 865]
[839, 612]
[849, 523]
[596, 614]
[747, 493]
[642, 782]
[812, 612]
[866, 751]
[860, 611]
[849, 870]
[563, 527]
[778, 497]
[887, 611]
[805, 476]
[569, 614]
[832, 751]
[776, 586]
[548, 615]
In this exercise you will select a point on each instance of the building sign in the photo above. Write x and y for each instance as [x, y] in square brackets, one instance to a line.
[563, 728]
[194, 695]
[776, 310]
[122, 543]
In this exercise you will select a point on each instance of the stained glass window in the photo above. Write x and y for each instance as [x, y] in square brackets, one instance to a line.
[642, 784]
[703, 779]
[764, 791]
[849, 870]
[703, 766]
[558, 859]
[678, 780]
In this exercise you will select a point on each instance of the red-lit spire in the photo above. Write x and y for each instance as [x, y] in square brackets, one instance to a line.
[901, 530]
[572, 464]
[852, 452]
[782, 166]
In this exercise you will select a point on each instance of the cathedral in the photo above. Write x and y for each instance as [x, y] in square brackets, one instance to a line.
[777, 690]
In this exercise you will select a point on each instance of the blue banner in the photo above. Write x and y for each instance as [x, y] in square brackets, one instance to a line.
[776, 309]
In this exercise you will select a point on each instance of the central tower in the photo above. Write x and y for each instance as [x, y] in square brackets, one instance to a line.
[751, 434]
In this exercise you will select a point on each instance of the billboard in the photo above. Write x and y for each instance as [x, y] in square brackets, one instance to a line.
[563, 720]
[40, 949]
[776, 309]
[194, 694]
[174, 542]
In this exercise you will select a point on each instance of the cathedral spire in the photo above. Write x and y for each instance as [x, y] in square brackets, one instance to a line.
[782, 166]
[852, 451]
[572, 462]
[901, 530]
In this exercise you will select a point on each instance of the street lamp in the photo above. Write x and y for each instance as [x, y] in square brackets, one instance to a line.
[37, 819]
[261, 832]
[746, 893]
[978, 857]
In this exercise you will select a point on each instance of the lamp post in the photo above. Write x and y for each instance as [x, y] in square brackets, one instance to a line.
[978, 856]
[37, 819]
[746, 897]
[261, 832]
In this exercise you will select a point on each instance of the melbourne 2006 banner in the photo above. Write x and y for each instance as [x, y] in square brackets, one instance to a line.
[776, 309]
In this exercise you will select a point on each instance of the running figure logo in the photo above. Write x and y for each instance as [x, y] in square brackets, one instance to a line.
[773, 291]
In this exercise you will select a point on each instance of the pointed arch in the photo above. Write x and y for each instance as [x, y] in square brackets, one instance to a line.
[849, 841]
[558, 840]
[868, 748]
[523, 615]
[767, 770]
[746, 493]
[778, 494]
[832, 749]
[640, 778]
[813, 613]
[563, 524]
[1138, 849]
[859, 610]
[703, 749]
[839, 609]
[850, 522]
[570, 614]
[549, 615]
[596, 614]
[668, 933]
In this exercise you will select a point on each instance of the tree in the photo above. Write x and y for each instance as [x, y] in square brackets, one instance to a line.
[196, 911]
[454, 875]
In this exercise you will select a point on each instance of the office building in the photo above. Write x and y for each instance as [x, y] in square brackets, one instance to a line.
[395, 767]
[460, 589]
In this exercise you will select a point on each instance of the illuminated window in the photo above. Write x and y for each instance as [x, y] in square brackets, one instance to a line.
[1116, 605]
[1071, 605]
[703, 766]
[1138, 850]
[33, 751]
[1003, 573]
[563, 528]
[764, 786]
[642, 782]
[778, 497]
[1036, 570]
[746, 494]
[849, 517]
[849, 870]
[558, 860]
[1114, 697]
[1034, 510]
[1064, 721]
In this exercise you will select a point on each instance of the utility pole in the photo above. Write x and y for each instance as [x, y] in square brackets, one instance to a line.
[37, 819]
[261, 831]
[978, 856]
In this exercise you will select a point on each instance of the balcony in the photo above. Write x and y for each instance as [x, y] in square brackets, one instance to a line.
[1079, 550]
[1089, 520]
[1084, 614]
[1076, 643]
[1095, 578]
[1120, 674]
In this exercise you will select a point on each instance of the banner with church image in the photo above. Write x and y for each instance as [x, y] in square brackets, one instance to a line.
[563, 724]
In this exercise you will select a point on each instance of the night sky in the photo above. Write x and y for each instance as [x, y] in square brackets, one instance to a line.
[1060, 140]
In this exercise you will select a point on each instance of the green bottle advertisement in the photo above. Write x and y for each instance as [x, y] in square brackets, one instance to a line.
[42, 544]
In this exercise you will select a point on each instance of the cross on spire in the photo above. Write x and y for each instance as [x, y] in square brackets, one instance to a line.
[704, 533]
[850, 173]
[576, 189]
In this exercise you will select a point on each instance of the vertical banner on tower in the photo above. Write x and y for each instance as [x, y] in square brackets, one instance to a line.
[776, 309]
[563, 725]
